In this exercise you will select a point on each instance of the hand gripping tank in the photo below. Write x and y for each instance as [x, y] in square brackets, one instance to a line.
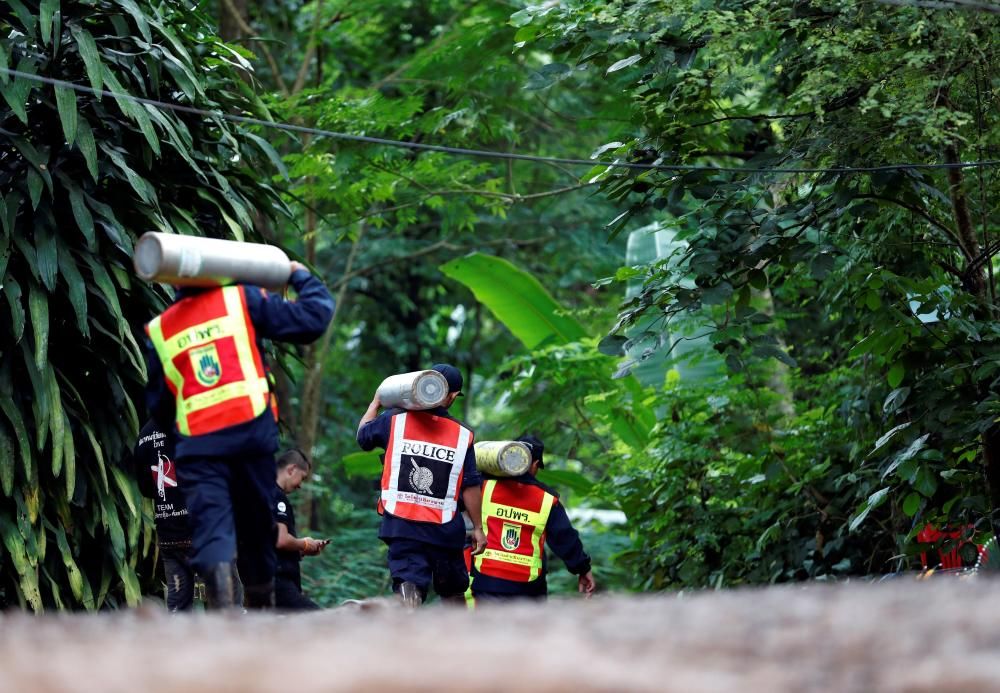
[502, 457]
[414, 391]
[196, 261]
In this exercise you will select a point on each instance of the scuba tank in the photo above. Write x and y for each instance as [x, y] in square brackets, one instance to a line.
[413, 391]
[180, 260]
[502, 457]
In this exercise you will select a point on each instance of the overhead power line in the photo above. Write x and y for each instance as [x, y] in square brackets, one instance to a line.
[485, 153]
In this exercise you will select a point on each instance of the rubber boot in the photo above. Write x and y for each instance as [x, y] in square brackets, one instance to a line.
[410, 594]
[237, 588]
[219, 587]
[259, 596]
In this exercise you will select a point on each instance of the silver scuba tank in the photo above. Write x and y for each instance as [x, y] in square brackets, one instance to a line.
[502, 457]
[196, 261]
[414, 391]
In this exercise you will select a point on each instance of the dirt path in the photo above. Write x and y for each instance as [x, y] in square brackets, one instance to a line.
[942, 635]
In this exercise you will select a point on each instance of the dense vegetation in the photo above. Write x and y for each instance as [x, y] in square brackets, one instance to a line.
[774, 375]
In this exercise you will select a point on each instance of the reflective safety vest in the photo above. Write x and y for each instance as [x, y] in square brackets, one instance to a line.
[514, 519]
[424, 460]
[208, 349]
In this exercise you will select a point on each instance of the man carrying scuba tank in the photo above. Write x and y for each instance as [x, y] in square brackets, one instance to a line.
[429, 469]
[206, 364]
[520, 516]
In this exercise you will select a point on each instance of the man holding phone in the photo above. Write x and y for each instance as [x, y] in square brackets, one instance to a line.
[293, 469]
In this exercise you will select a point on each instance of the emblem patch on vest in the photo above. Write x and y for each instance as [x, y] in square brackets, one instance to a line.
[421, 479]
[206, 365]
[510, 537]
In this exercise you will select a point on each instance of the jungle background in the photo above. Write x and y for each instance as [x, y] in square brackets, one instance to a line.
[773, 376]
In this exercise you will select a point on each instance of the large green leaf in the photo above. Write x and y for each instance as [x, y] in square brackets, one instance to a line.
[38, 159]
[68, 116]
[20, 433]
[39, 400]
[91, 59]
[46, 251]
[12, 290]
[77, 288]
[46, 10]
[72, 570]
[15, 92]
[69, 457]
[362, 464]
[38, 307]
[88, 147]
[57, 419]
[564, 478]
[7, 461]
[517, 299]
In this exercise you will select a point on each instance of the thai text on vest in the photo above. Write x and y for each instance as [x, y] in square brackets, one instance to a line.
[201, 334]
[512, 514]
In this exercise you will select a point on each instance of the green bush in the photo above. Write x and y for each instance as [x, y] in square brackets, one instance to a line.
[81, 177]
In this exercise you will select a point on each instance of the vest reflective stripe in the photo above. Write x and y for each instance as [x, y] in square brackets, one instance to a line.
[207, 346]
[470, 599]
[512, 512]
[425, 458]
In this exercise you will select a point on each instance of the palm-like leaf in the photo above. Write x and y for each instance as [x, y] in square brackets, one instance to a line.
[81, 176]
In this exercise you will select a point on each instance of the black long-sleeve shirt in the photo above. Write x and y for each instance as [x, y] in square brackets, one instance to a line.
[560, 537]
[153, 466]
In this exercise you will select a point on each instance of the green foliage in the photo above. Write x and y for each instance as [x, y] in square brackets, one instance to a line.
[81, 177]
[353, 565]
[877, 286]
[517, 299]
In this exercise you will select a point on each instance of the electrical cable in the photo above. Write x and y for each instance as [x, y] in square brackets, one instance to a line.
[484, 153]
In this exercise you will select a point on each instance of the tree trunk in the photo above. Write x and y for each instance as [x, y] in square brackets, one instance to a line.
[230, 27]
[312, 388]
[977, 284]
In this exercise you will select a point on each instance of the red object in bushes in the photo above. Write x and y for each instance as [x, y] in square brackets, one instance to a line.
[931, 534]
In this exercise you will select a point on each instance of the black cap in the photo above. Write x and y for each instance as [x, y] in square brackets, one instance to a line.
[537, 448]
[451, 374]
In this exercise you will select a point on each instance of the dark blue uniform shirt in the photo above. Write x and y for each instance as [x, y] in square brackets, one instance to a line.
[375, 434]
[288, 561]
[560, 537]
[299, 322]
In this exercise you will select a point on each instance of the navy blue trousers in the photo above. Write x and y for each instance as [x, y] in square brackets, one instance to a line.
[229, 506]
[426, 564]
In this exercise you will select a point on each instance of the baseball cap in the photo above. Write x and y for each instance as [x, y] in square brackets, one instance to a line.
[537, 448]
[451, 374]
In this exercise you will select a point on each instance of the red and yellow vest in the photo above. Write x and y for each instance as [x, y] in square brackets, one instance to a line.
[207, 345]
[514, 519]
[424, 460]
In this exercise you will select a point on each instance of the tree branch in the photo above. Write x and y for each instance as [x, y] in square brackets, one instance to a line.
[248, 30]
[948, 231]
[300, 80]
[433, 248]
[544, 124]
[752, 118]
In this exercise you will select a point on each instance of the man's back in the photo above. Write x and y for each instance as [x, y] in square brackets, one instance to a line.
[521, 516]
[218, 345]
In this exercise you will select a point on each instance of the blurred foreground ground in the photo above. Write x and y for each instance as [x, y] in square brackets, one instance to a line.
[940, 635]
